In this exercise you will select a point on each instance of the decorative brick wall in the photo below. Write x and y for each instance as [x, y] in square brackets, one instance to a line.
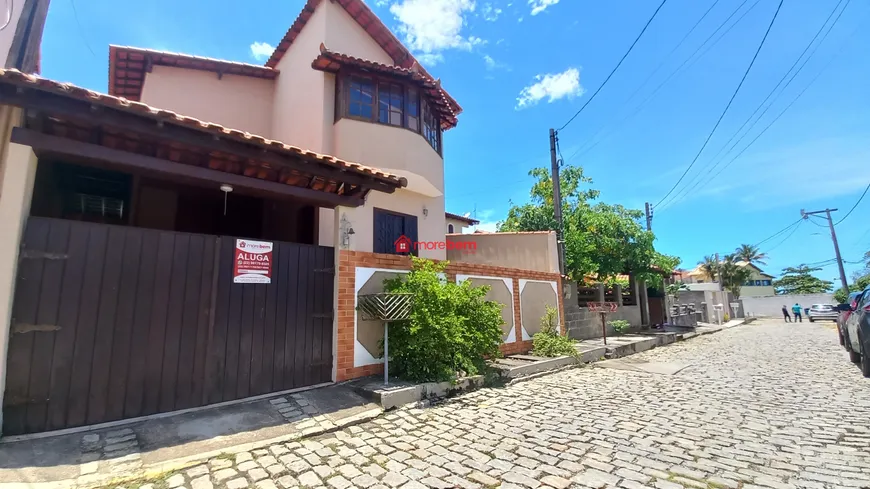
[348, 261]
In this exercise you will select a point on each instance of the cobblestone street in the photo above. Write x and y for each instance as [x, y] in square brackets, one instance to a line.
[767, 404]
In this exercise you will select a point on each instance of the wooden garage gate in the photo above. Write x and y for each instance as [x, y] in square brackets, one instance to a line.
[114, 322]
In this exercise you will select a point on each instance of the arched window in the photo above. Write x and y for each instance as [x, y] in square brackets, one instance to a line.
[450, 228]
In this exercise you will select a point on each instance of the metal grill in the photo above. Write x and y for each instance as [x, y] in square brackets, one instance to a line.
[385, 306]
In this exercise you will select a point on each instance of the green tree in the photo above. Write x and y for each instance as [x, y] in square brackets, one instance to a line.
[600, 239]
[799, 280]
[732, 275]
[710, 267]
[453, 329]
[750, 254]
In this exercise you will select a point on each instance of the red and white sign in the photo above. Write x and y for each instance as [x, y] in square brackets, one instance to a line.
[253, 262]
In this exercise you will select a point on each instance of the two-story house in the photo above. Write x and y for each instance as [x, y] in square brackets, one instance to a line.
[201, 234]
[339, 83]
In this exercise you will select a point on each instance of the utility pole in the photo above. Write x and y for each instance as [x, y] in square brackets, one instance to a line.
[557, 201]
[827, 212]
[648, 216]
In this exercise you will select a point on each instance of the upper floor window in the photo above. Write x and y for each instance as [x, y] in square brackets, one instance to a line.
[431, 130]
[386, 101]
[391, 102]
[362, 98]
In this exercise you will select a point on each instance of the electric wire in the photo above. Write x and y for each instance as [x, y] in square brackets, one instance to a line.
[733, 96]
[648, 22]
[9, 12]
[696, 180]
[586, 147]
[778, 232]
[81, 31]
[854, 206]
[784, 110]
[786, 238]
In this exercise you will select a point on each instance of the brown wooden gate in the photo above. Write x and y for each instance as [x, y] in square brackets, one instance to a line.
[113, 322]
[656, 310]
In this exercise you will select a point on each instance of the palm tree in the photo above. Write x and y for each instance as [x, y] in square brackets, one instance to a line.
[732, 275]
[710, 267]
[750, 254]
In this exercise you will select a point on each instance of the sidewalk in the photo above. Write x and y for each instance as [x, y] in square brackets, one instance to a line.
[122, 452]
[174, 441]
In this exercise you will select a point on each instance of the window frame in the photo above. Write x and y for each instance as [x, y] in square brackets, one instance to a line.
[342, 104]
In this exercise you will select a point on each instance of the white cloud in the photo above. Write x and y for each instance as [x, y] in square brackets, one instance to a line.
[552, 86]
[432, 26]
[490, 13]
[261, 50]
[430, 59]
[539, 6]
[381, 3]
[492, 64]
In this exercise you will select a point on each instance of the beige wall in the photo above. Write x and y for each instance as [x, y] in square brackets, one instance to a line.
[7, 34]
[346, 36]
[392, 149]
[429, 228]
[18, 170]
[757, 290]
[526, 251]
[458, 226]
[239, 102]
[305, 98]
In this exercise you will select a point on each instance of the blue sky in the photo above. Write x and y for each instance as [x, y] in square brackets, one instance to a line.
[520, 67]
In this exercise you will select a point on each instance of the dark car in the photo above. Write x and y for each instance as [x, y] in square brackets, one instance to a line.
[845, 312]
[857, 332]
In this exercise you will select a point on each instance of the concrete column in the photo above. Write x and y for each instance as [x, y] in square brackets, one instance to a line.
[17, 172]
[643, 303]
[335, 233]
[617, 293]
[600, 297]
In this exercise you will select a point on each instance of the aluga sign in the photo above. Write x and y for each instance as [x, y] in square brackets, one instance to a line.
[253, 262]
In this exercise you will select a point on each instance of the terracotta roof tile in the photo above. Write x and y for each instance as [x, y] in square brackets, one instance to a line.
[128, 65]
[461, 218]
[332, 61]
[370, 22]
[18, 78]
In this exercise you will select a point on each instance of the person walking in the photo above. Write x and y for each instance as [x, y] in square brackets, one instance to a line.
[785, 315]
[796, 309]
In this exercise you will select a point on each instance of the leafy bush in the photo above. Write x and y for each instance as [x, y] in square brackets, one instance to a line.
[841, 296]
[726, 318]
[452, 329]
[620, 326]
[548, 342]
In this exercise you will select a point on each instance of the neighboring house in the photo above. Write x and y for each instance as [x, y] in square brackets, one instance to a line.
[456, 224]
[201, 233]
[758, 284]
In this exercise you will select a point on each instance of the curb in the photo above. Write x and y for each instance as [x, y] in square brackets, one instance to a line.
[174, 465]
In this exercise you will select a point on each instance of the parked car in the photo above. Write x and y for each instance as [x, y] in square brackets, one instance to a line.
[845, 311]
[820, 312]
[857, 332]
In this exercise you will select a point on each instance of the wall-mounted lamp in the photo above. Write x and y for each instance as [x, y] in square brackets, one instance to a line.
[345, 231]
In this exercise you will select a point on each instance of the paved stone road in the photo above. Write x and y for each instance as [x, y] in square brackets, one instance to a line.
[767, 404]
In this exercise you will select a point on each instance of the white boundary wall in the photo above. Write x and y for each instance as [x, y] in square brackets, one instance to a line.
[771, 305]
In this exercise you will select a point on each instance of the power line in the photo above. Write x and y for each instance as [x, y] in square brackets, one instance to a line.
[778, 232]
[696, 180]
[786, 238]
[648, 22]
[854, 206]
[733, 96]
[585, 148]
[787, 107]
[81, 31]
